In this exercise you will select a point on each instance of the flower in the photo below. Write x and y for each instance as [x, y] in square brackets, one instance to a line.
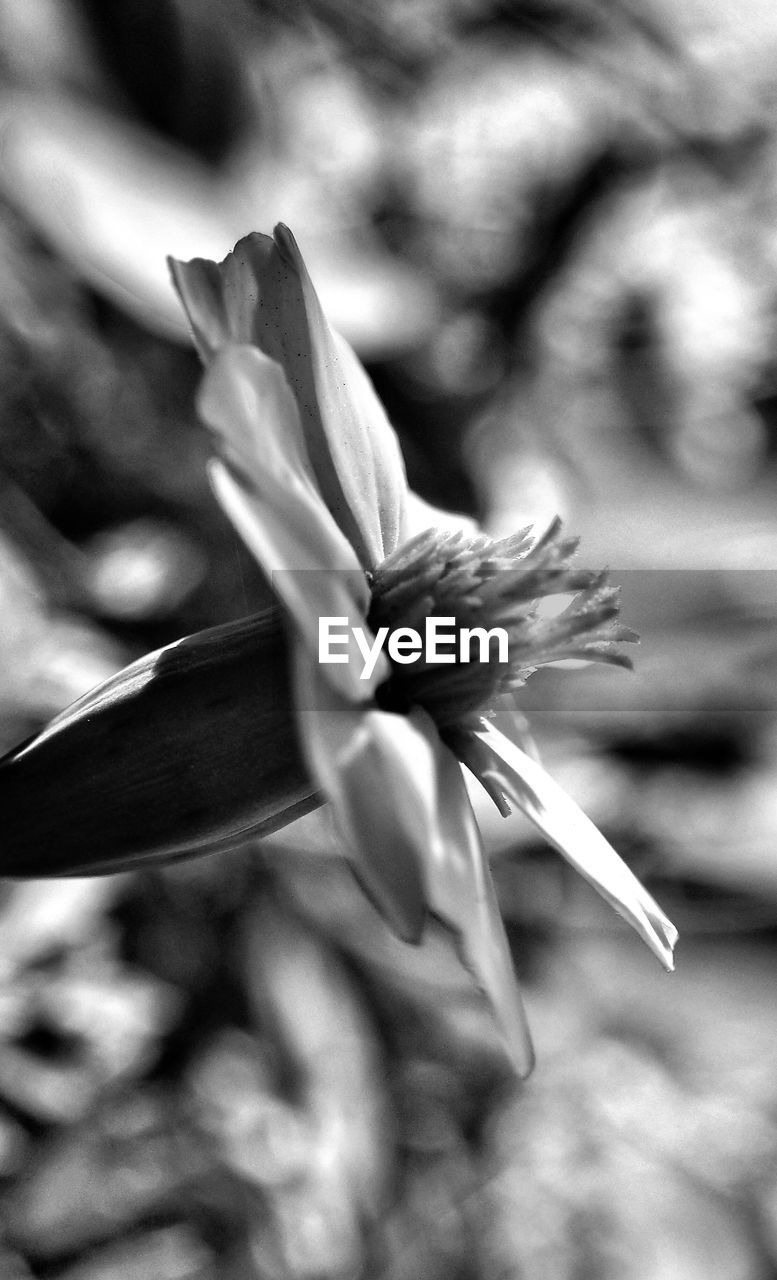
[310, 473]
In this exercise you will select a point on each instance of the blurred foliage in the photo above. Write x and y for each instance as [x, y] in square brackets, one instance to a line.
[548, 226]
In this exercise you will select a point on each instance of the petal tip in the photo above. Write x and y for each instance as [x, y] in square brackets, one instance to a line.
[287, 245]
[660, 935]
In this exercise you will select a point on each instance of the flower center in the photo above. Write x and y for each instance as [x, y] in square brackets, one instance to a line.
[483, 585]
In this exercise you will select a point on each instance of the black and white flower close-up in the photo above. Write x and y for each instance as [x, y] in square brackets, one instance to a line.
[388, 463]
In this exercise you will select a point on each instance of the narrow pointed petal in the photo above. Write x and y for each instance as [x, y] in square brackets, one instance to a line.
[461, 892]
[504, 768]
[186, 751]
[262, 294]
[266, 490]
[399, 798]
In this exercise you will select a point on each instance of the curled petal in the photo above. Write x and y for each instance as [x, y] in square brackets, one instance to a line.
[506, 771]
[200, 287]
[399, 797]
[266, 489]
[189, 750]
[262, 294]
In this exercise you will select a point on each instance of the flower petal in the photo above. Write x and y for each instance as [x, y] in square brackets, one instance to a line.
[461, 892]
[247, 403]
[399, 798]
[265, 487]
[346, 750]
[503, 768]
[262, 294]
[189, 750]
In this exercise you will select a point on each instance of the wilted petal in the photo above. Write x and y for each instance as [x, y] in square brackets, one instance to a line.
[186, 751]
[262, 294]
[266, 490]
[399, 798]
[505, 769]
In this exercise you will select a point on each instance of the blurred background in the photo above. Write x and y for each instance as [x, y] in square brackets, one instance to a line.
[548, 227]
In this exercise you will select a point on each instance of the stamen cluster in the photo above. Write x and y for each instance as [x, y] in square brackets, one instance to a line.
[480, 582]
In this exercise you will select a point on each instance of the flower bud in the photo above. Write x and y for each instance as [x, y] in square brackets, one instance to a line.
[188, 750]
